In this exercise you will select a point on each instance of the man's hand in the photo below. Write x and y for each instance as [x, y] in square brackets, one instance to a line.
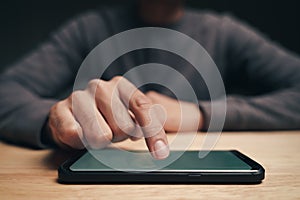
[181, 116]
[105, 112]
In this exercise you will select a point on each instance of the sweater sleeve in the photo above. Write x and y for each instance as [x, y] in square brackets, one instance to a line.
[267, 75]
[29, 88]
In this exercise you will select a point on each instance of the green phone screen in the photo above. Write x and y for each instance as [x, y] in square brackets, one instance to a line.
[109, 160]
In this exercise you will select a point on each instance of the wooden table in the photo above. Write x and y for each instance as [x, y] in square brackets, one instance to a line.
[32, 174]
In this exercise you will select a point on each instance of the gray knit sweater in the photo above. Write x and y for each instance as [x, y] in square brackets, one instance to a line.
[262, 79]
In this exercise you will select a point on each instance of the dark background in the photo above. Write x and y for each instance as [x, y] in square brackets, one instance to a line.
[25, 24]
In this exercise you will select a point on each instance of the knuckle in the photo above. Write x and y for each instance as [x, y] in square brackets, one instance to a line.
[96, 136]
[73, 129]
[107, 135]
[76, 95]
[94, 83]
[100, 140]
[69, 134]
[151, 93]
[141, 102]
[55, 109]
[90, 124]
[77, 99]
[96, 86]
[117, 78]
[58, 105]
[55, 120]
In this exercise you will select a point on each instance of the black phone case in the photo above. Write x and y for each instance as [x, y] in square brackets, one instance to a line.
[65, 175]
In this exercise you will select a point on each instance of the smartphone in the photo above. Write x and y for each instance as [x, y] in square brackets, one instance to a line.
[230, 167]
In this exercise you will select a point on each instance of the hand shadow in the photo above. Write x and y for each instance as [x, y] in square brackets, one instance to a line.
[56, 157]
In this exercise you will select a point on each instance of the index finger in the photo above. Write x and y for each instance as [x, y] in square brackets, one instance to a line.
[142, 108]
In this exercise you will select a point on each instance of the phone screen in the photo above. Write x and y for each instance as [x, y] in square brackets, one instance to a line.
[177, 161]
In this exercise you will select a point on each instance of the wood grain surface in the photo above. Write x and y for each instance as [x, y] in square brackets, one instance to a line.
[32, 174]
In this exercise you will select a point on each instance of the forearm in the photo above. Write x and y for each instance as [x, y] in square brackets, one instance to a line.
[22, 115]
[267, 73]
[29, 88]
[276, 111]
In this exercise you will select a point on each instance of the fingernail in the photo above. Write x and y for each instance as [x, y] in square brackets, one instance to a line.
[161, 150]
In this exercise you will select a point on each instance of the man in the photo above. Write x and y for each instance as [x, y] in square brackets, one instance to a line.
[262, 82]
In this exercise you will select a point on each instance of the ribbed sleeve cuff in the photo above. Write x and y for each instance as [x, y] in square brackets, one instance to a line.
[30, 122]
[222, 118]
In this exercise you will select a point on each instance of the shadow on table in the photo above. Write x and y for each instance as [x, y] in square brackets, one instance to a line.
[56, 157]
